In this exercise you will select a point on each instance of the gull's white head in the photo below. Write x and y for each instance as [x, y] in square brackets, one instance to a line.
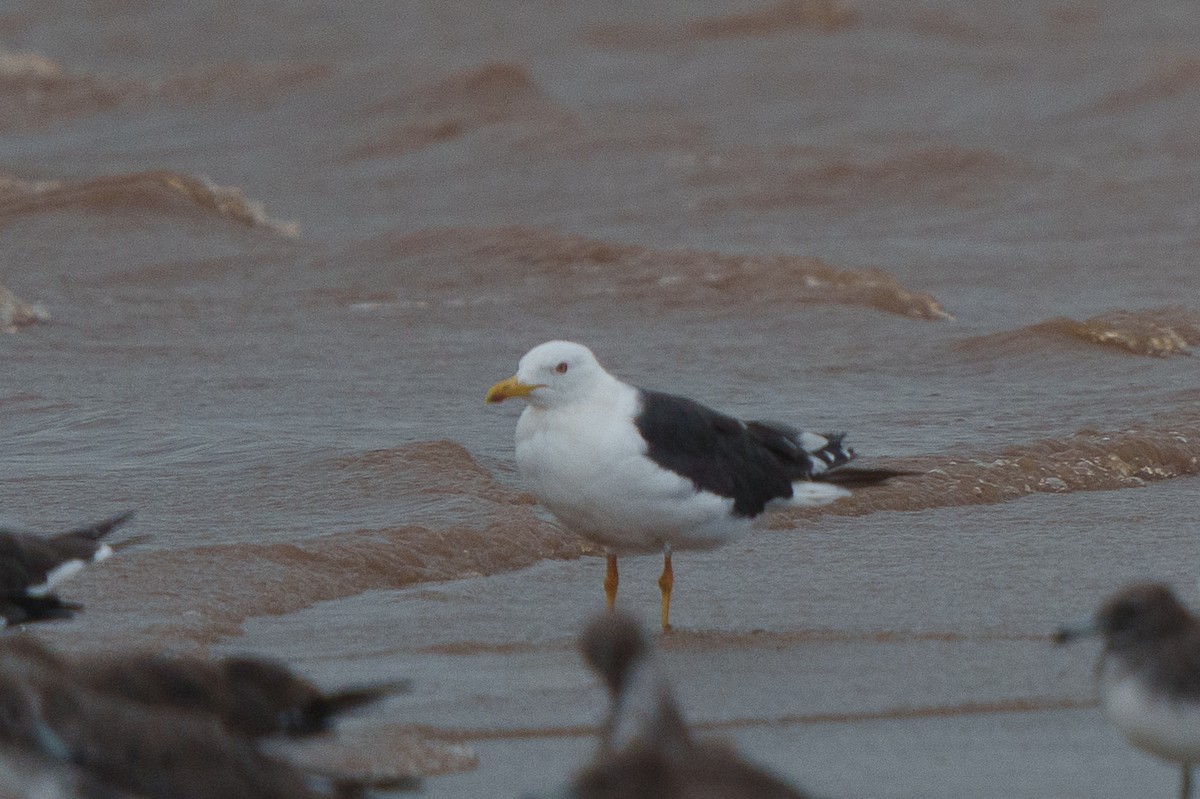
[554, 373]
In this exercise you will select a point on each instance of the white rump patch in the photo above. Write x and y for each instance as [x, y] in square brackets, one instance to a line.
[808, 493]
[59, 574]
[103, 552]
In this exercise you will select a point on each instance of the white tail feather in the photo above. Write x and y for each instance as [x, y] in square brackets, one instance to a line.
[811, 442]
[809, 494]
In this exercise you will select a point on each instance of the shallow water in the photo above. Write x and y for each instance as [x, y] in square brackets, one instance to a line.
[284, 259]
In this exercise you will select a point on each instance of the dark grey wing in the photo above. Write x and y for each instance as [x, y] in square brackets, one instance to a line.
[823, 458]
[788, 444]
[82, 542]
[718, 453]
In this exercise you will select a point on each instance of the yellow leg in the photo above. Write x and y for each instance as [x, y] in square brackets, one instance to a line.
[665, 582]
[610, 582]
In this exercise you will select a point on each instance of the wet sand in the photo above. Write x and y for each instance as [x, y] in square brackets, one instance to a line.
[277, 266]
[936, 677]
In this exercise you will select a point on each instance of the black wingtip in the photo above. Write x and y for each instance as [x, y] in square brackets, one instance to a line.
[319, 713]
[97, 531]
[132, 541]
[350, 699]
[17, 610]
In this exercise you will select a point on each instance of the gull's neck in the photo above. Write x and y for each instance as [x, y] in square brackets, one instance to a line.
[605, 391]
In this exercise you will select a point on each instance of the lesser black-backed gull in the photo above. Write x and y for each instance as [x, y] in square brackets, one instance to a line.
[1149, 672]
[641, 471]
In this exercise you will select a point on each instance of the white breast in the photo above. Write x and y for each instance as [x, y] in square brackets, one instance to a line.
[1161, 725]
[588, 465]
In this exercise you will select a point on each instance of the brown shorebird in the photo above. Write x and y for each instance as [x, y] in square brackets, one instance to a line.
[251, 696]
[646, 750]
[142, 751]
[50, 712]
[1149, 672]
[33, 566]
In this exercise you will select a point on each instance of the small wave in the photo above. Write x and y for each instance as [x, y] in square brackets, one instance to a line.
[784, 17]
[159, 191]
[207, 592]
[26, 66]
[436, 467]
[460, 103]
[829, 15]
[1159, 332]
[1086, 461]
[943, 174]
[953, 26]
[600, 132]
[212, 590]
[35, 89]
[978, 25]
[15, 313]
[1171, 80]
[524, 259]
[236, 79]
[1072, 16]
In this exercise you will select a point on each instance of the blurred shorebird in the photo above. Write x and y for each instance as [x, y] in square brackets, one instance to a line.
[33, 566]
[646, 750]
[123, 747]
[251, 696]
[1149, 672]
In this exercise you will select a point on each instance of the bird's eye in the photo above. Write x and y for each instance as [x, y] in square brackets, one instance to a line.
[561, 368]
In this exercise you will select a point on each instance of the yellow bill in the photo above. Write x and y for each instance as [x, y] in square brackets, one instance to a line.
[507, 389]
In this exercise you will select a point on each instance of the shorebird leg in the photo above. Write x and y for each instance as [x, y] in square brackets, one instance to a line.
[665, 582]
[610, 581]
[1185, 784]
